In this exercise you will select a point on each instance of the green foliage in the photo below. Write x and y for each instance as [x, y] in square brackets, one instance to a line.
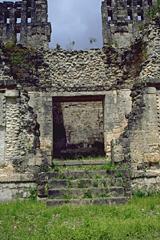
[81, 184]
[9, 45]
[33, 193]
[17, 55]
[154, 10]
[109, 166]
[140, 193]
[31, 220]
[21, 60]
[67, 197]
[87, 194]
[144, 193]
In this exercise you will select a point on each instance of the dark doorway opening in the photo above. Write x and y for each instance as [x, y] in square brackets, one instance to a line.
[78, 124]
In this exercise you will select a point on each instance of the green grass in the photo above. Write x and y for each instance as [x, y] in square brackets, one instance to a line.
[106, 166]
[29, 220]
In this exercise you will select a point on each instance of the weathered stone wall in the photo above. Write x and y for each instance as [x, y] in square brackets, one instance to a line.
[2, 128]
[93, 70]
[140, 142]
[123, 20]
[117, 106]
[16, 186]
[78, 71]
[144, 139]
[19, 131]
[25, 22]
[146, 182]
[12, 125]
[41, 102]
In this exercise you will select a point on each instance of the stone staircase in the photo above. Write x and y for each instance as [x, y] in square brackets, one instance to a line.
[84, 182]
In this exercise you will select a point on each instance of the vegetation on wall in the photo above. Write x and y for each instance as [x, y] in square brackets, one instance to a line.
[23, 62]
[154, 10]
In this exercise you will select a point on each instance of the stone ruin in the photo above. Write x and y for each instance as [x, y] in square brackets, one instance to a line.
[57, 105]
[122, 20]
[25, 22]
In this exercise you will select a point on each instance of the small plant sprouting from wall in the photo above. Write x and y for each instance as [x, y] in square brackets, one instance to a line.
[154, 10]
[33, 193]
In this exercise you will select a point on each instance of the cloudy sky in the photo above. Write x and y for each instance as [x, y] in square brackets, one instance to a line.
[75, 20]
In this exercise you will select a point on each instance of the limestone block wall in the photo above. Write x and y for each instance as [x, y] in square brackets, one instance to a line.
[117, 106]
[16, 185]
[41, 102]
[145, 146]
[71, 71]
[2, 128]
[145, 141]
[83, 121]
[140, 143]
[146, 182]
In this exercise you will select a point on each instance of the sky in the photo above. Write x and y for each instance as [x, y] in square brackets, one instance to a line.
[75, 20]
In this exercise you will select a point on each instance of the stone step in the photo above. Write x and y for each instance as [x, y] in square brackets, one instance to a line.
[74, 193]
[95, 201]
[84, 183]
[76, 174]
[79, 163]
[81, 186]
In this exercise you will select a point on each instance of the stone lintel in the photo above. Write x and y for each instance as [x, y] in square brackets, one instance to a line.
[151, 90]
[12, 93]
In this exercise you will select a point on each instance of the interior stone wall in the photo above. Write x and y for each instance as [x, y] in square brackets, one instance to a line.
[78, 126]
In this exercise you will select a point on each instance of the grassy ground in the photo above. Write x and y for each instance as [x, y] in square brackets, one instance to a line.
[29, 220]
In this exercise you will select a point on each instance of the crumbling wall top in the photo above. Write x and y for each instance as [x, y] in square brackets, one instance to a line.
[25, 22]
